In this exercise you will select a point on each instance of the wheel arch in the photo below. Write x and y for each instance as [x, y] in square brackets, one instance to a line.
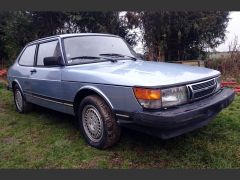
[86, 91]
[14, 82]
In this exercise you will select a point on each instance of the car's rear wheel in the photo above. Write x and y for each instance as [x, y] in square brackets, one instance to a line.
[98, 123]
[22, 106]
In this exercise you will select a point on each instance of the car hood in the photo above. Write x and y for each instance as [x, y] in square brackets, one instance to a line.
[137, 73]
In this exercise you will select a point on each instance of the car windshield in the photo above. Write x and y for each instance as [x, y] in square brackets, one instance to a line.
[87, 49]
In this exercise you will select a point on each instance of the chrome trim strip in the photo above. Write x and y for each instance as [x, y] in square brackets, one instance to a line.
[35, 78]
[122, 115]
[66, 104]
[45, 79]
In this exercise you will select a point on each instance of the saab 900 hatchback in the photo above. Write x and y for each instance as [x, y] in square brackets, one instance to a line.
[100, 79]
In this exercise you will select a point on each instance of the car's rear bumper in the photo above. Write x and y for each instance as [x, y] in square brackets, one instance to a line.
[176, 121]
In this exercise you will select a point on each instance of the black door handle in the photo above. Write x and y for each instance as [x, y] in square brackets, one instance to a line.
[33, 71]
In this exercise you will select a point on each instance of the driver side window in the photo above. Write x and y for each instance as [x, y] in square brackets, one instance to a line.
[48, 49]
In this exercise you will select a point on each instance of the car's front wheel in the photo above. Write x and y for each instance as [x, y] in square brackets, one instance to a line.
[98, 123]
[22, 106]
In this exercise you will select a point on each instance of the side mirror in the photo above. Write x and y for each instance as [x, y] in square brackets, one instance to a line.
[52, 61]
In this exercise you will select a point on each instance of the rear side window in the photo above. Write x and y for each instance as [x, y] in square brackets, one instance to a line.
[48, 49]
[27, 58]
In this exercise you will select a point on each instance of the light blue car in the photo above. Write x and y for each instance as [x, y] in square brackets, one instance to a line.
[100, 79]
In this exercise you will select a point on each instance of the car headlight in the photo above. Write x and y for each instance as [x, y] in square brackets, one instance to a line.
[156, 98]
[218, 81]
[174, 96]
[148, 98]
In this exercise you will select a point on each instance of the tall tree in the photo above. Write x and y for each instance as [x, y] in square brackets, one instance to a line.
[3, 22]
[20, 27]
[15, 32]
[102, 22]
[47, 23]
[182, 35]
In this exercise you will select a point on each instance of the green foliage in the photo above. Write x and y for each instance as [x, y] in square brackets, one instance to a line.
[101, 22]
[183, 35]
[17, 31]
[173, 35]
[46, 23]
[17, 28]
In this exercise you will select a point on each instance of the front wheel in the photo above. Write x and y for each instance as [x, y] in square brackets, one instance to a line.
[98, 123]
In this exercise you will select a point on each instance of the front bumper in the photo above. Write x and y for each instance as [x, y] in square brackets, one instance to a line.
[176, 121]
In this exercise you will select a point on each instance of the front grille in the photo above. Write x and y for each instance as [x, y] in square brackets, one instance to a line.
[201, 89]
[203, 93]
[203, 85]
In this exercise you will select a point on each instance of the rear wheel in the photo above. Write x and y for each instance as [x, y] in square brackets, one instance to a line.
[98, 123]
[22, 106]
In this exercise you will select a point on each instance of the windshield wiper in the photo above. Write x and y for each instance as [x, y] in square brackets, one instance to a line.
[93, 57]
[118, 55]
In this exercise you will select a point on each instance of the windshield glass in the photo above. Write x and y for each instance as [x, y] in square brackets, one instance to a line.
[87, 49]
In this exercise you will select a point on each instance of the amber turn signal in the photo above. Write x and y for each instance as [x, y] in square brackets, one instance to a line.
[147, 94]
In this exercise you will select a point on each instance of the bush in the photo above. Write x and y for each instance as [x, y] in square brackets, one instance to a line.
[1, 85]
[229, 65]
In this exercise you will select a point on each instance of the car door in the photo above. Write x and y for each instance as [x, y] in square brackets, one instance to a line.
[24, 67]
[46, 80]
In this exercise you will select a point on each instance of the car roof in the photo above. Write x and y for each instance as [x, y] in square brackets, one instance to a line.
[71, 35]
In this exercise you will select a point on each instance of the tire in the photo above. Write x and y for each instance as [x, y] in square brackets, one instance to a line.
[97, 122]
[22, 106]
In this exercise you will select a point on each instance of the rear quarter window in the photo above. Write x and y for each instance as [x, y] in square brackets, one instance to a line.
[27, 57]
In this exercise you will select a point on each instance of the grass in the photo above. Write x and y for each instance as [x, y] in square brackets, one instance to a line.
[48, 139]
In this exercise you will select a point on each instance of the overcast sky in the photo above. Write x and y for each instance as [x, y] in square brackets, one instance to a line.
[232, 30]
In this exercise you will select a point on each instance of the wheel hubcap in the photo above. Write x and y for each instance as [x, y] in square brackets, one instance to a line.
[92, 123]
[18, 99]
